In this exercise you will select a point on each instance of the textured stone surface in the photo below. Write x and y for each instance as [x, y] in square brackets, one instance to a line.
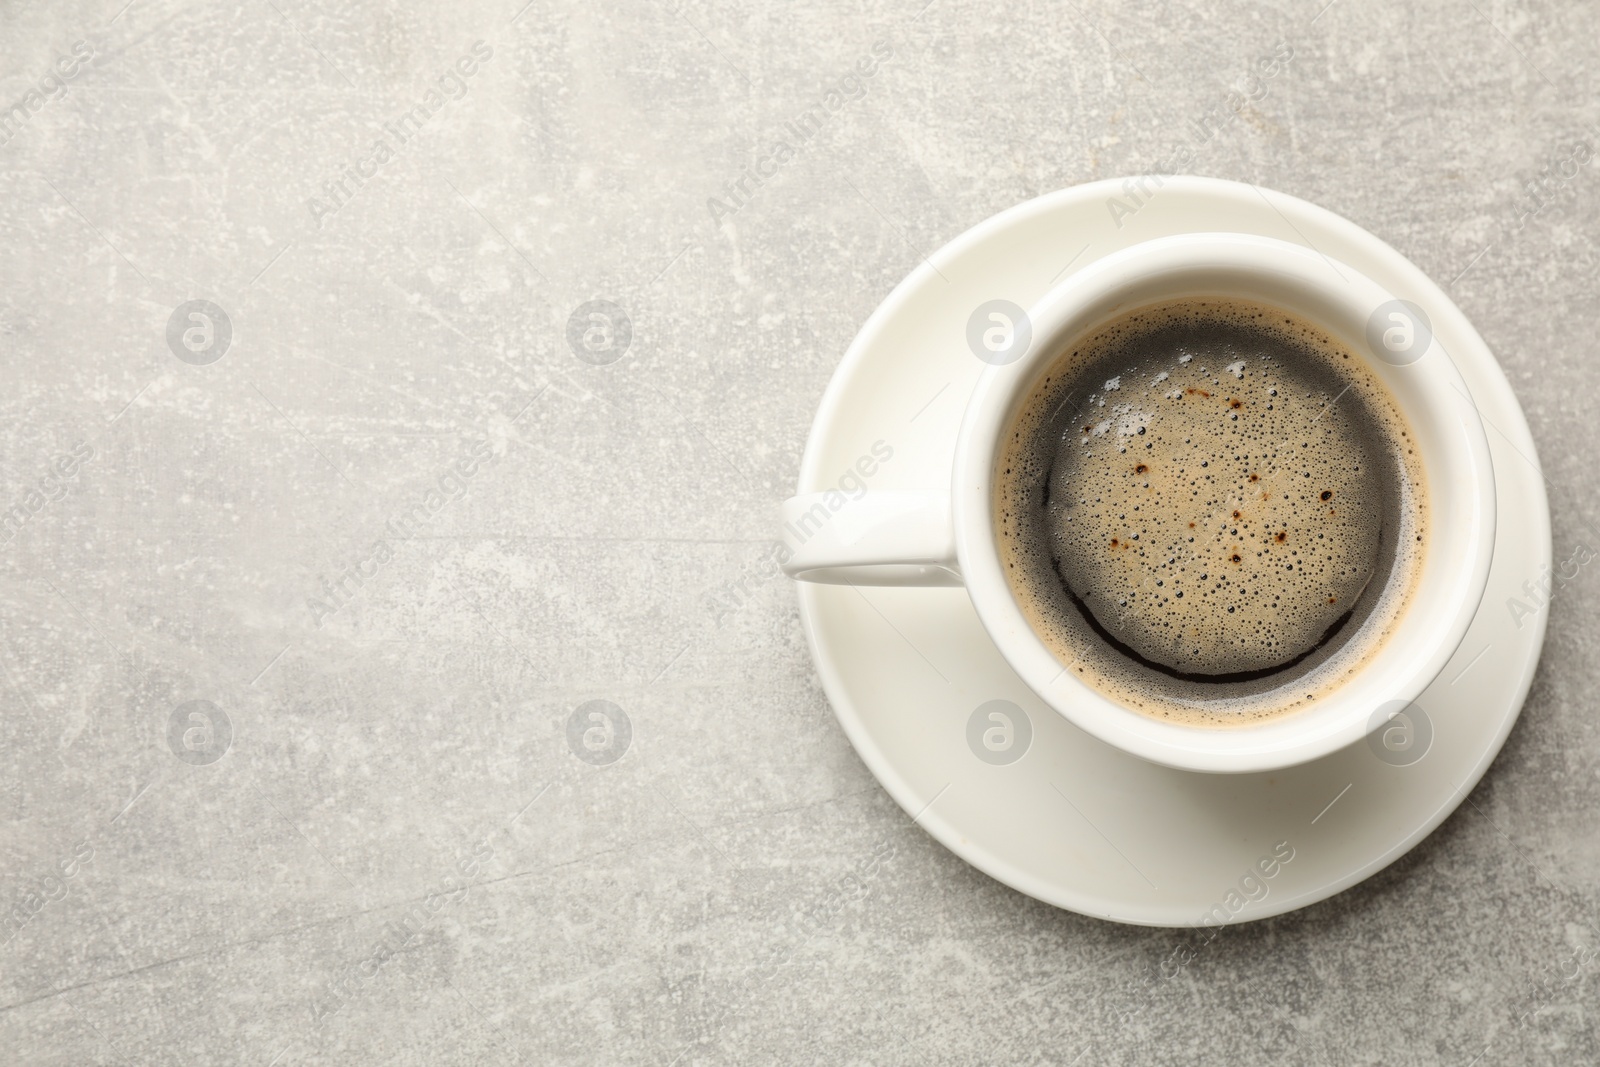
[678, 904]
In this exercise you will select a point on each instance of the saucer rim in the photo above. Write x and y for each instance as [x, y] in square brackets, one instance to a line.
[1535, 528]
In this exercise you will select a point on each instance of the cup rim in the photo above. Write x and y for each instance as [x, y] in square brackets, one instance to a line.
[1455, 569]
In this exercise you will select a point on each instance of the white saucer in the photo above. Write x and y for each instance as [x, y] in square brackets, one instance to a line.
[1070, 820]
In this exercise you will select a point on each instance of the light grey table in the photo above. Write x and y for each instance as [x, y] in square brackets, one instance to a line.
[298, 600]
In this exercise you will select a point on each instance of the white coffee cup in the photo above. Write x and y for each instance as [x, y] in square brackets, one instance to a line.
[946, 535]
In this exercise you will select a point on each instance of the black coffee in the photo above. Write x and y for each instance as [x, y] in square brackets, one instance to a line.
[1210, 510]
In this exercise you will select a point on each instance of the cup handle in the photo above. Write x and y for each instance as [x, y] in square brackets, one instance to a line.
[883, 537]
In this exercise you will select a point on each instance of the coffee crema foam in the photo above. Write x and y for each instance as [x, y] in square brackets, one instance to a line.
[1210, 511]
